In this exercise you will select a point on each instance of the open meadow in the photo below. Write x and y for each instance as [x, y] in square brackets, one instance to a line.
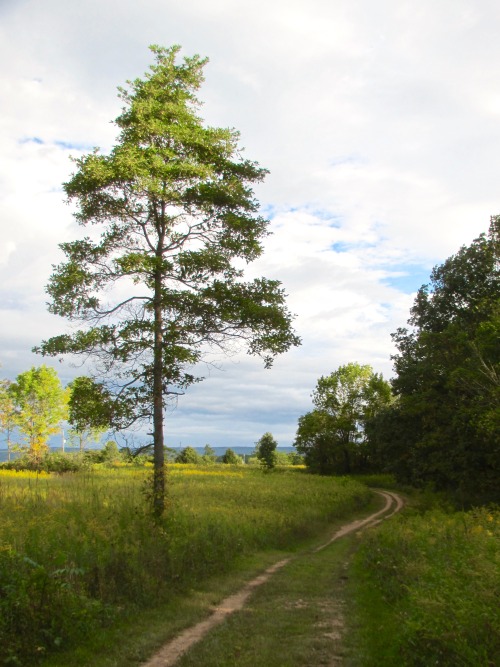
[80, 551]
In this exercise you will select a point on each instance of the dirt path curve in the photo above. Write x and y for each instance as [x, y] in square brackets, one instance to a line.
[171, 652]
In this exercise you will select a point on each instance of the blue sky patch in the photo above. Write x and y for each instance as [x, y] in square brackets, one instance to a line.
[65, 145]
[32, 140]
[326, 216]
[346, 159]
[408, 279]
[345, 246]
[68, 145]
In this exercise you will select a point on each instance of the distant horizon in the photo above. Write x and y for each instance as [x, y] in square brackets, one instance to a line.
[219, 450]
[179, 447]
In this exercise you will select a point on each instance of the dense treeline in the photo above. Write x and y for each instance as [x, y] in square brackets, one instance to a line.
[441, 424]
[443, 427]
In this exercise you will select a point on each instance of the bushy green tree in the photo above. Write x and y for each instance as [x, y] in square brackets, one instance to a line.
[41, 404]
[316, 442]
[188, 455]
[209, 455]
[89, 411]
[265, 450]
[163, 286]
[333, 437]
[231, 458]
[447, 418]
[111, 452]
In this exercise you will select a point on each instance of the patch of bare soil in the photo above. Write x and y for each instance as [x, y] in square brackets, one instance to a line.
[333, 629]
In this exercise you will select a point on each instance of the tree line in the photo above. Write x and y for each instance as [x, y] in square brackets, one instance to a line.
[264, 454]
[35, 406]
[438, 421]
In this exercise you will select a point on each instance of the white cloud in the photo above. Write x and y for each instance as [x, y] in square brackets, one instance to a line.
[379, 123]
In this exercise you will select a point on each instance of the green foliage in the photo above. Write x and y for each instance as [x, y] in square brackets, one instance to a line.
[142, 454]
[376, 480]
[209, 455]
[40, 404]
[265, 449]
[57, 462]
[333, 437]
[430, 590]
[444, 427]
[86, 551]
[61, 462]
[174, 203]
[295, 459]
[188, 455]
[90, 409]
[89, 405]
[111, 451]
[42, 610]
[231, 458]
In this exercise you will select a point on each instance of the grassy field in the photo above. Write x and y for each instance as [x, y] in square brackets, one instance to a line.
[79, 552]
[87, 578]
[426, 588]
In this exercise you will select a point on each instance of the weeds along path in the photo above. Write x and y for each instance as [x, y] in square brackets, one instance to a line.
[170, 653]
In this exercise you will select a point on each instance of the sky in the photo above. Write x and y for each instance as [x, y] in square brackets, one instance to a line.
[379, 124]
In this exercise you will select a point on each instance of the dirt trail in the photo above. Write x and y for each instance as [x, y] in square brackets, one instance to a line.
[171, 652]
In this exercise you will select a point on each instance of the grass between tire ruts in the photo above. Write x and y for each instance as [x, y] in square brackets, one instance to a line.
[294, 619]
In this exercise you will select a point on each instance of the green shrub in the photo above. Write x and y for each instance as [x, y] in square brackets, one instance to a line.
[295, 459]
[377, 480]
[188, 455]
[41, 610]
[59, 462]
[209, 455]
[436, 575]
[231, 458]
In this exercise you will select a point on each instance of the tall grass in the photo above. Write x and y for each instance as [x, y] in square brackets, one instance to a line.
[77, 550]
[430, 590]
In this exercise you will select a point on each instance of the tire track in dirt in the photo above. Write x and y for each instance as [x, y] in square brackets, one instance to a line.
[171, 652]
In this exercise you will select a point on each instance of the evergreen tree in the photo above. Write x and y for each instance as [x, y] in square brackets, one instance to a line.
[163, 286]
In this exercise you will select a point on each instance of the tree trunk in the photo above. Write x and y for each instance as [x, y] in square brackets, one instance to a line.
[159, 452]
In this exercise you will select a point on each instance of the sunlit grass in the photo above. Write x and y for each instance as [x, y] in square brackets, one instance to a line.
[76, 550]
[431, 590]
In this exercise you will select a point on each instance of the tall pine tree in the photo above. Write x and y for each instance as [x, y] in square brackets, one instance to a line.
[160, 287]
